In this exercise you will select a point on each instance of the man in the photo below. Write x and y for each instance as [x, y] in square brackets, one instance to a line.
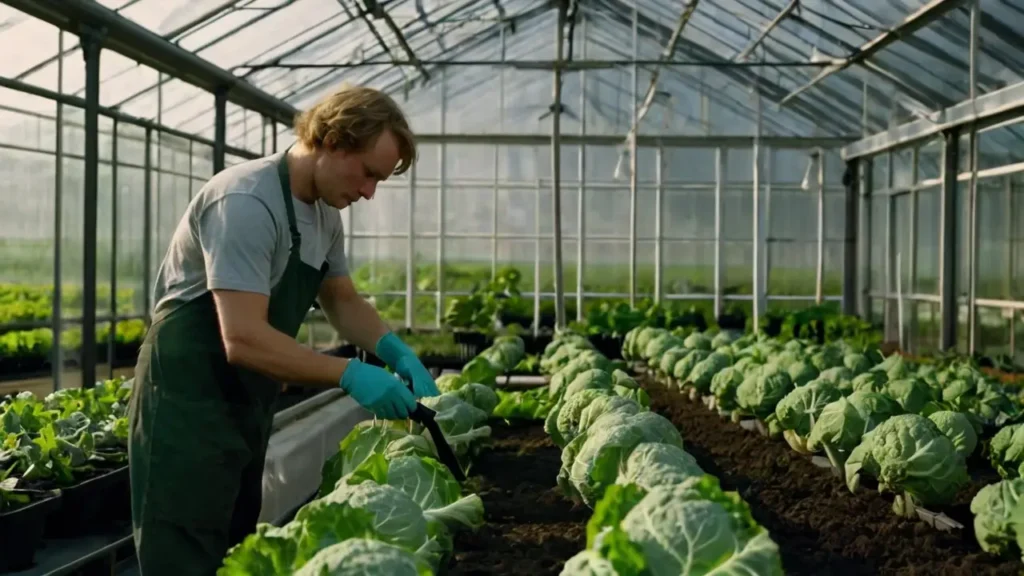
[254, 249]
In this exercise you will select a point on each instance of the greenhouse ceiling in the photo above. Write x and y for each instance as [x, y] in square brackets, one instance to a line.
[814, 62]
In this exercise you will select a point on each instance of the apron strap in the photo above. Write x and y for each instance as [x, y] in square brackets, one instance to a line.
[286, 190]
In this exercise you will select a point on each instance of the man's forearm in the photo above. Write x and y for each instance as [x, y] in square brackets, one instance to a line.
[268, 351]
[357, 321]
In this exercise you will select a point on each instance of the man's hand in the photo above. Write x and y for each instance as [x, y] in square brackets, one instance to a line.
[358, 322]
[377, 391]
[404, 362]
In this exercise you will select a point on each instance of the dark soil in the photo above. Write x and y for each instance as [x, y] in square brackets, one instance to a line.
[530, 527]
[820, 527]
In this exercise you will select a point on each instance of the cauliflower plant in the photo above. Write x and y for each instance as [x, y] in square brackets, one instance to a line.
[798, 411]
[958, 428]
[758, 395]
[910, 457]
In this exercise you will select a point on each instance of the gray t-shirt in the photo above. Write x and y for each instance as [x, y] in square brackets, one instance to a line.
[234, 236]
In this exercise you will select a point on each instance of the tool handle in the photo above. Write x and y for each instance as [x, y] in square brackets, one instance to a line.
[421, 414]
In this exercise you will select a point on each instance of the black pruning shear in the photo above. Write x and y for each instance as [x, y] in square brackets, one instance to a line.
[425, 417]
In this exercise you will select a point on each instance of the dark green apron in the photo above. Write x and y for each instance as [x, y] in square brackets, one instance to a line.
[200, 426]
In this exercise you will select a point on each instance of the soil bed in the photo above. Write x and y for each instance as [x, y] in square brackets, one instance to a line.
[820, 527]
[530, 527]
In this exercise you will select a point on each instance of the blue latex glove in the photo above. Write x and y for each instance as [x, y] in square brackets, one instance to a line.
[404, 362]
[377, 390]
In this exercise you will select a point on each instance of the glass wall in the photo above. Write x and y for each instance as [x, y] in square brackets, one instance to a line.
[42, 227]
[497, 207]
[906, 233]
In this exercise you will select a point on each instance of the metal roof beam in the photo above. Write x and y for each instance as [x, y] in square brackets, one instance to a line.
[922, 17]
[77, 102]
[991, 107]
[378, 12]
[746, 52]
[463, 45]
[652, 140]
[744, 76]
[564, 65]
[138, 43]
[666, 54]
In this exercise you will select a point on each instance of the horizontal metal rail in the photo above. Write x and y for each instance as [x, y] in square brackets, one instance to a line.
[77, 102]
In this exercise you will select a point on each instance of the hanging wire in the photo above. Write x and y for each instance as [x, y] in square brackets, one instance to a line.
[574, 6]
[845, 24]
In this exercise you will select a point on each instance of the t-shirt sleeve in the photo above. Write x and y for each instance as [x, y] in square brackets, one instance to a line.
[337, 263]
[238, 235]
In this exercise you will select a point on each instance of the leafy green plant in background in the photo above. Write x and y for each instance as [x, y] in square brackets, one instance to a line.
[66, 436]
[487, 301]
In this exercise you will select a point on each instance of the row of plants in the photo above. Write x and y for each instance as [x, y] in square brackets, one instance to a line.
[913, 431]
[59, 457]
[29, 351]
[386, 505]
[821, 323]
[655, 511]
[498, 303]
[33, 302]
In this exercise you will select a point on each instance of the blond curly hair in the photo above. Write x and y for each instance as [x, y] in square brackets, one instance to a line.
[351, 119]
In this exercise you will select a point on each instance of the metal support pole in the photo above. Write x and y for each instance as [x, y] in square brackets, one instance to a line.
[157, 220]
[1010, 256]
[273, 136]
[720, 160]
[819, 268]
[90, 42]
[410, 257]
[57, 366]
[866, 172]
[850, 235]
[948, 242]
[147, 225]
[441, 214]
[581, 211]
[908, 330]
[890, 254]
[191, 167]
[633, 159]
[659, 201]
[556, 170]
[113, 251]
[972, 50]
[263, 135]
[865, 128]
[768, 152]
[972, 242]
[220, 129]
[758, 232]
[494, 214]
[497, 158]
[536, 255]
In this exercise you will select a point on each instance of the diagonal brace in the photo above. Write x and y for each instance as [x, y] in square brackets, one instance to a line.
[377, 11]
[666, 54]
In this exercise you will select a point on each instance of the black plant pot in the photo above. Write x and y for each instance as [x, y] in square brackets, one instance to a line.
[471, 343]
[509, 318]
[92, 506]
[535, 345]
[21, 531]
[732, 322]
[774, 326]
[609, 346]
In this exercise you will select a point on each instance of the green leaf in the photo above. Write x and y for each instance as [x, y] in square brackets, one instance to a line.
[618, 500]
